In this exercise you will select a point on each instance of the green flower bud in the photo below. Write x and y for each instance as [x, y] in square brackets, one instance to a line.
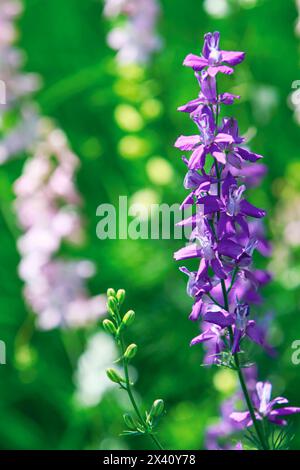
[109, 327]
[128, 318]
[129, 421]
[121, 296]
[131, 351]
[157, 408]
[111, 292]
[112, 303]
[113, 375]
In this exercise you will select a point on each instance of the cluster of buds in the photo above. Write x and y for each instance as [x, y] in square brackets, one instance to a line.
[140, 423]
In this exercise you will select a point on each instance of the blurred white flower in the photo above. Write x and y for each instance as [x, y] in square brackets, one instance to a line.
[217, 8]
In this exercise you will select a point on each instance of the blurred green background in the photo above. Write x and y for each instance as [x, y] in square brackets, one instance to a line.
[122, 125]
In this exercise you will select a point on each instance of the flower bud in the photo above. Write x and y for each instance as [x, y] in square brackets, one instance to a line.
[129, 421]
[121, 296]
[131, 351]
[111, 292]
[112, 303]
[157, 408]
[113, 375]
[109, 327]
[128, 318]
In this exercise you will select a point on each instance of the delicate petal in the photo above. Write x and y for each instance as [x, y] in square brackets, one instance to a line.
[237, 336]
[234, 160]
[206, 336]
[212, 71]
[210, 204]
[255, 333]
[228, 98]
[195, 61]
[196, 161]
[190, 106]
[229, 248]
[189, 251]
[241, 417]
[250, 210]
[196, 310]
[218, 268]
[224, 138]
[233, 57]
[285, 411]
[219, 156]
[187, 142]
[247, 155]
[219, 317]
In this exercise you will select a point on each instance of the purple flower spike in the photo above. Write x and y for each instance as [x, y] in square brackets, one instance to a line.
[226, 229]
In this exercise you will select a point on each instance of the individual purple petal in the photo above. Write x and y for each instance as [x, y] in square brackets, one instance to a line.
[237, 336]
[234, 160]
[189, 200]
[196, 310]
[210, 204]
[219, 155]
[187, 142]
[241, 417]
[206, 336]
[285, 411]
[229, 248]
[250, 210]
[197, 159]
[233, 57]
[212, 71]
[228, 98]
[219, 317]
[190, 106]
[196, 62]
[208, 87]
[218, 268]
[189, 251]
[255, 333]
[224, 138]
[247, 155]
[278, 401]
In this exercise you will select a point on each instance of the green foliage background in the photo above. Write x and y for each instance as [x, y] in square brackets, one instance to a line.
[65, 43]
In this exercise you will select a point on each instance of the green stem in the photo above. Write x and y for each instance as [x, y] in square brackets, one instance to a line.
[131, 396]
[242, 380]
[226, 307]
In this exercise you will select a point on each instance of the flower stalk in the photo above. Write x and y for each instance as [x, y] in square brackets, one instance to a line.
[142, 423]
[226, 229]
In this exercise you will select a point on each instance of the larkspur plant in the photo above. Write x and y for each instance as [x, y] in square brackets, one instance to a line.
[141, 423]
[226, 230]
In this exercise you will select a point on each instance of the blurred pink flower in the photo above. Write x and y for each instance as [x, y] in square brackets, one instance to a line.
[135, 38]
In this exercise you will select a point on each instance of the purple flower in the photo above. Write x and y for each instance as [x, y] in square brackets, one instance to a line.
[226, 229]
[213, 58]
[236, 155]
[239, 321]
[208, 248]
[265, 407]
[214, 336]
[208, 94]
[206, 142]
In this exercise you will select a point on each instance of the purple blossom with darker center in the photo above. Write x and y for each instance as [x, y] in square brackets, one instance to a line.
[206, 142]
[240, 322]
[213, 58]
[265, 407]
